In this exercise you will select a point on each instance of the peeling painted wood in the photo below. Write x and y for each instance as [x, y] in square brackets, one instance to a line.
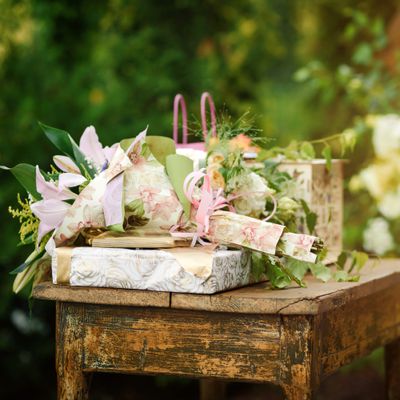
[187, 343]
[93, 295]
[72, 382]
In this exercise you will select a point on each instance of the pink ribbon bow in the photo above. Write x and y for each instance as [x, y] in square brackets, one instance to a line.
[209, 202]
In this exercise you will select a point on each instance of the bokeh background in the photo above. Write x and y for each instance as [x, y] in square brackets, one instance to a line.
[304, 68]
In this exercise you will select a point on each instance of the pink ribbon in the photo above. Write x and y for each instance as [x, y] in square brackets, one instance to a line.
[209, 202]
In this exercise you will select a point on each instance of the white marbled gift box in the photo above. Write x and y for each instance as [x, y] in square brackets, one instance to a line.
[185, 270]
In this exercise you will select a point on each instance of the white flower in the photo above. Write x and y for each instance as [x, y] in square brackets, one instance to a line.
[389, 205]
[253, 191]
[377, 237]
[197, 156]
[386, 136]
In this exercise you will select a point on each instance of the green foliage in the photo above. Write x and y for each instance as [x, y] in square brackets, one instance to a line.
[26, 176]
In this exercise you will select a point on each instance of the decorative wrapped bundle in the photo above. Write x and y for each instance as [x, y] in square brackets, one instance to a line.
[133, 191]
[194, 270]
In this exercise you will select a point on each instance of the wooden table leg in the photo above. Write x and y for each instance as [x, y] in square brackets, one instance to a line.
[212, 389]
[392, 363]
[72, 382]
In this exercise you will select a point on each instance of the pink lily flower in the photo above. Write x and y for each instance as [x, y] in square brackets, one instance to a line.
[52, 209]
[51, 213]
[97, 155]
[49, 190]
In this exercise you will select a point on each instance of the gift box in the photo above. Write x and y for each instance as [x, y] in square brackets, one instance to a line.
[322, 190]
[186, 270]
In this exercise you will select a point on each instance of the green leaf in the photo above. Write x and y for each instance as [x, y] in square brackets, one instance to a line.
[26, 176]
[297, 267]
[305, 206]
[320, 271]
[327, 154]
[258, 266]
[65, 143]
[178, 168]
[278, 278]
[307, 151]
[161, 147]
[61, 139]
[360, 258]
[341, 261]
[311, 221]
[341, 276]
[19, 269]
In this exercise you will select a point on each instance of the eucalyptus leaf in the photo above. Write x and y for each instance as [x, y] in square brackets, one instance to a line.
[26, 176]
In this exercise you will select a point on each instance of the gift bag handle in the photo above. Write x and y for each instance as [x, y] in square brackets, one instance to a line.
[179, 100]
[207, 97]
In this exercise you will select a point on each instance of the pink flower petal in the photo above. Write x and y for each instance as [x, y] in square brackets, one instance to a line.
[110, 151]
[43, 229]
[91, 147]
[70, 180]
[50, 212]
[138, 139]
[113, 201]
[49, 190]
[65, 164]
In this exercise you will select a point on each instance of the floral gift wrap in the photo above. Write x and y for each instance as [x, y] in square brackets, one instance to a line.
[191, 270]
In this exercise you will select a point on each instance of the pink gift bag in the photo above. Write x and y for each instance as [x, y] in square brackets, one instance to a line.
[180, 101]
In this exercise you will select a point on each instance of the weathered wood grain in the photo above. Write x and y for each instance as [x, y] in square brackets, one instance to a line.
[72, 381]
[92, 295]
[196, 344]
[356, 328]
[297, 357]
[313, 300]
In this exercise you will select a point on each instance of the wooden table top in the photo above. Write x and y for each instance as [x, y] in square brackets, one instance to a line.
[255, 299]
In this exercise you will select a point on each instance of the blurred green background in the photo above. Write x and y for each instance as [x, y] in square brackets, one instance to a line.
[305, 69]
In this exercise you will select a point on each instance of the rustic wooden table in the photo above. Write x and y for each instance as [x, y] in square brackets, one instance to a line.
[293, 338]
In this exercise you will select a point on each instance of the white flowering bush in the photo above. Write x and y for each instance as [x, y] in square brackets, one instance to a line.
[381, 180]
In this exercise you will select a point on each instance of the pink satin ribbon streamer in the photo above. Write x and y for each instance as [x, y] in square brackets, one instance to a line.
[209, 202]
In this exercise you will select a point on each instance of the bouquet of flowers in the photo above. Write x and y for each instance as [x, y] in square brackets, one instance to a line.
[142, 187]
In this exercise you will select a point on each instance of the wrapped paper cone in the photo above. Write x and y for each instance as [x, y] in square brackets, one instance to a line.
[231, 228]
